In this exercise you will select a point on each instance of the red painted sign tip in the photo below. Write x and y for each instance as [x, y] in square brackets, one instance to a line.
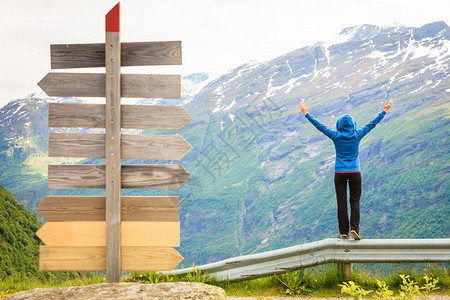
[113, 19]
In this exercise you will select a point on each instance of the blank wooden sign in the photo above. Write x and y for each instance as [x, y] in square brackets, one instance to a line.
[168, 147]
[65, 56]
[133, 176]
[93, 258]
[93, 85]
[156, 234]
[92, 208]
[157, 117]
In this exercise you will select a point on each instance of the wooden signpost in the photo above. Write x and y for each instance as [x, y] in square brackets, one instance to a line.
[93, 85]
[113, 233]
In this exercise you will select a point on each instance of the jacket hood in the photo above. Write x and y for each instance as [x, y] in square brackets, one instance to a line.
[346, 123]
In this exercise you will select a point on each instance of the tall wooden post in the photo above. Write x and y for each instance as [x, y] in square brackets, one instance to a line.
[113, 153]
[89, 233]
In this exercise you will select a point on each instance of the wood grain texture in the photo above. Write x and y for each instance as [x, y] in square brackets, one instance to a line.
[154, 176]
[76, 115]
[151, 86]
[155, 234]
[55, 258]
[158, 117]
[150, 259]
[155, 208]
[151, 53]
[166, 147]
[93, 85]
[88, 145]
[72, 208]
[73, 233]
[133, 176]
[76, 176]
[65, 56]
[113, 155]
[90, 208]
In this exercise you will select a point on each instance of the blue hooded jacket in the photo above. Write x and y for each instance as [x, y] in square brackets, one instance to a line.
[346, 140]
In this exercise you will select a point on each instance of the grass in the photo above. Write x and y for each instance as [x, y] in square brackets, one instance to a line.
[322, 281]
[12, 285]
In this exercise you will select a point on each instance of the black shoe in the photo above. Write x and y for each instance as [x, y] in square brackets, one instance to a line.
[356, 236]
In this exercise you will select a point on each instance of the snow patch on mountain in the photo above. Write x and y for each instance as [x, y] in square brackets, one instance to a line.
[326, 52]
[289, 66]
[228, 84]
[14, 111]
[192, 84]
[416, 49]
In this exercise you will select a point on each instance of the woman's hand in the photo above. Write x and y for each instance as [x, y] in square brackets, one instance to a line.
[388, 106]
[304, 109]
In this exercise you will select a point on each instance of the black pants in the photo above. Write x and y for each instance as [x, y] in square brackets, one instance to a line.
[340, 184]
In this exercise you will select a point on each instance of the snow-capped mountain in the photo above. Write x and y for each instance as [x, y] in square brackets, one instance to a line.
[363, 32]
[262, 172]
[366, 55]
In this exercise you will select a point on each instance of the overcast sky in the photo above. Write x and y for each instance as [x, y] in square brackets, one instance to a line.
[217, 35]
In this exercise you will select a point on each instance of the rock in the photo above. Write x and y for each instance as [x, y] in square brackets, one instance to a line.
[125, 290]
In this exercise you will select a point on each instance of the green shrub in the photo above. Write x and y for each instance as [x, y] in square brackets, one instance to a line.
[148, 277]
[297, 283]
[353, 290]
[410, 289]
[383, 291]
[197, 276]
[429, 286]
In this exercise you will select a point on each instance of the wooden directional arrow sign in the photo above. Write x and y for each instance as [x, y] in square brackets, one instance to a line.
[158, 117]
[156, 234]
[93, 258]
[78, 208]
[93, 85]
[132, 54]
[168, 147]
[133, 176]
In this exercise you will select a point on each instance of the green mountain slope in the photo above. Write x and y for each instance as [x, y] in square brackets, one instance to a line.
[19, 248]
[262, 176]
[266, 174]
[23, 150]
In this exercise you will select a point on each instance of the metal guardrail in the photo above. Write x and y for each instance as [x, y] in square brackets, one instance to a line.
[327, 251]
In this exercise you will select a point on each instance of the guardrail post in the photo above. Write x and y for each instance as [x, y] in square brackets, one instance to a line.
[345, 270]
